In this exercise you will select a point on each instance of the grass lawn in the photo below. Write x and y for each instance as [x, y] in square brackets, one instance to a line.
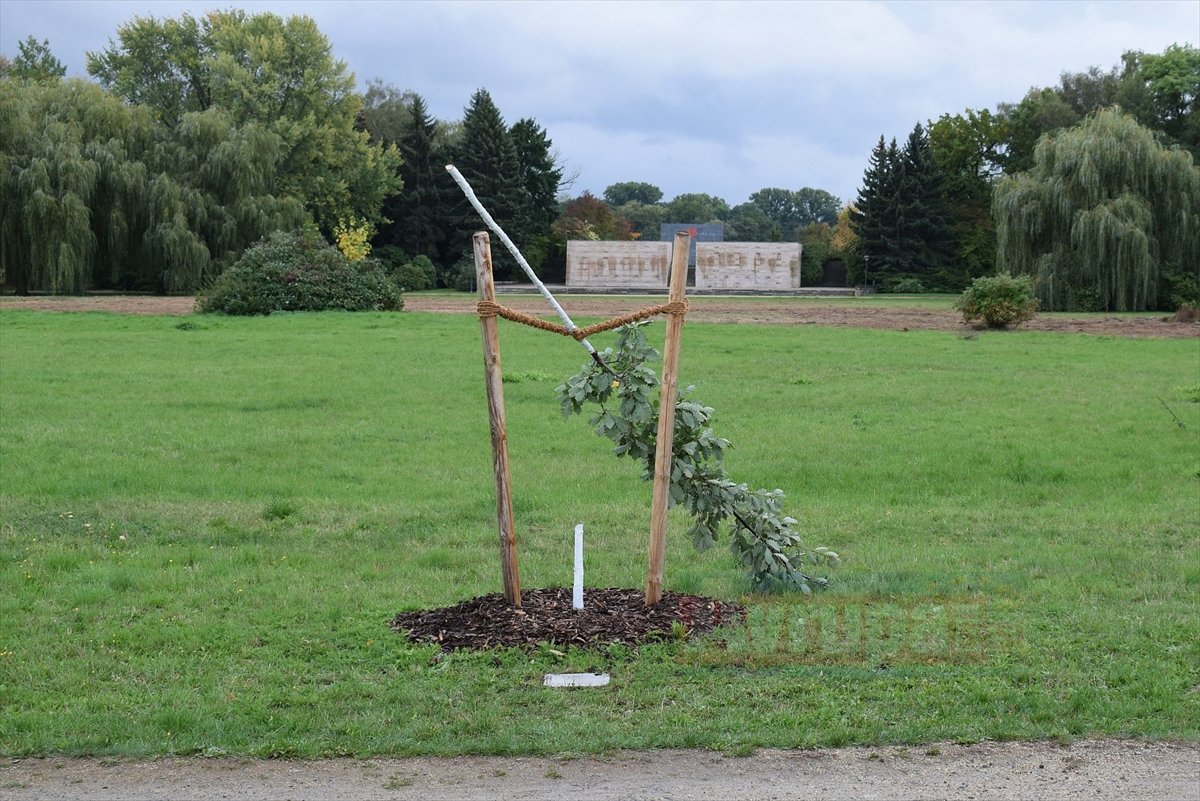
[206, 523]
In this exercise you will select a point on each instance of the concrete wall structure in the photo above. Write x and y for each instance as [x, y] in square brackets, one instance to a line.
[701, 232]
[748, 265]
[644, 265]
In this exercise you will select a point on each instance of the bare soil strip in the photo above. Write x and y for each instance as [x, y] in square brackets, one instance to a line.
[703, 309]
[1091, 769]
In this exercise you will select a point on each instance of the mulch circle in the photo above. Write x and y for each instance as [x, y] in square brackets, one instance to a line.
[611, 615]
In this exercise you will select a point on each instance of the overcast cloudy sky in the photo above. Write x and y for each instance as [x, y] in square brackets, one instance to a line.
[723, 98]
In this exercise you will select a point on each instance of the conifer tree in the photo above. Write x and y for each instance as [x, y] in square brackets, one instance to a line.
[540, 179]
[925, 237]
[419, 212]
[540, 175]
[487, 158]
[899, 216]
[874, 217]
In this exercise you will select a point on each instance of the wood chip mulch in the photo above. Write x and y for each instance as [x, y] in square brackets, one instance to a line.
[546, 616]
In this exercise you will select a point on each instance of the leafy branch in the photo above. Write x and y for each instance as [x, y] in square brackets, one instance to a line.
[760, 534]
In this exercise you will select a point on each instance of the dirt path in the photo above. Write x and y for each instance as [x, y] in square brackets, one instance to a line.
[1092, 769]
[703, 309]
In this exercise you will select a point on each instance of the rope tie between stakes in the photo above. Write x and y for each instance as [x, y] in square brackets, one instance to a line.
[488, 308]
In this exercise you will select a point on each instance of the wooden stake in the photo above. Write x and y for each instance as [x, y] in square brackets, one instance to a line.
[495, 398]
[666, 422]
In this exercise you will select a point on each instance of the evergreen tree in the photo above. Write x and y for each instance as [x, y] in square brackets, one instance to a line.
[1105, 215]
[899, 216]
[540, 175]
[874, 216]
[419, 212]
[926, 240]
[540, 180]
[487, 158]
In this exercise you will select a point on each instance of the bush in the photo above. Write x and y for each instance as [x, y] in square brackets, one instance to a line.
[908, 286]
[391, 257]
[1183, 290]
[1000, 301]
[418, 274]
[812, 260]
[461, 275]
[299, 271]
[1085, 300]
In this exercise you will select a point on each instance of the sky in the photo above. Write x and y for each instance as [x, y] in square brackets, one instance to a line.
[714, 97]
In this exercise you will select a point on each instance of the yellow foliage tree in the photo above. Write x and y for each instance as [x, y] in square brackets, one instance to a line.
[353, 238]
[844, 240]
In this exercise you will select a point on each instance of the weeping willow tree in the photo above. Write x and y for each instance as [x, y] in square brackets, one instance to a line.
[222, 195]
[276, 82]
[51, 172]
[96, 193]
[1105, 213]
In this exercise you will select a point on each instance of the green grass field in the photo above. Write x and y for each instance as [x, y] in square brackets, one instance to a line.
[207, 523]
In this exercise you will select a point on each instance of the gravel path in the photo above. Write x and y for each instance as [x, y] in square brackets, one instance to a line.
[1088, 769]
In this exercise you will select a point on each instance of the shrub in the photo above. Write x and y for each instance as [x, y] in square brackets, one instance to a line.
[418, 274]
[391, 257]
[909, 286]
[1000, 301]
[461, 274]
[1183, 289]
[1085, 299]
[299, 271]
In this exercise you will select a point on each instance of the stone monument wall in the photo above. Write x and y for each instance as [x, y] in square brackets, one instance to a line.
[618, 264]
[748, 265]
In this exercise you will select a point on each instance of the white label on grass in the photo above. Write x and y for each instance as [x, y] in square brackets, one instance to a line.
[575, 680]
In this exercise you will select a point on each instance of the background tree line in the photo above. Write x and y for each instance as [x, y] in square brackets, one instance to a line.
[1090, 187]
[199, 136]
[515, 172]
[636, 209]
